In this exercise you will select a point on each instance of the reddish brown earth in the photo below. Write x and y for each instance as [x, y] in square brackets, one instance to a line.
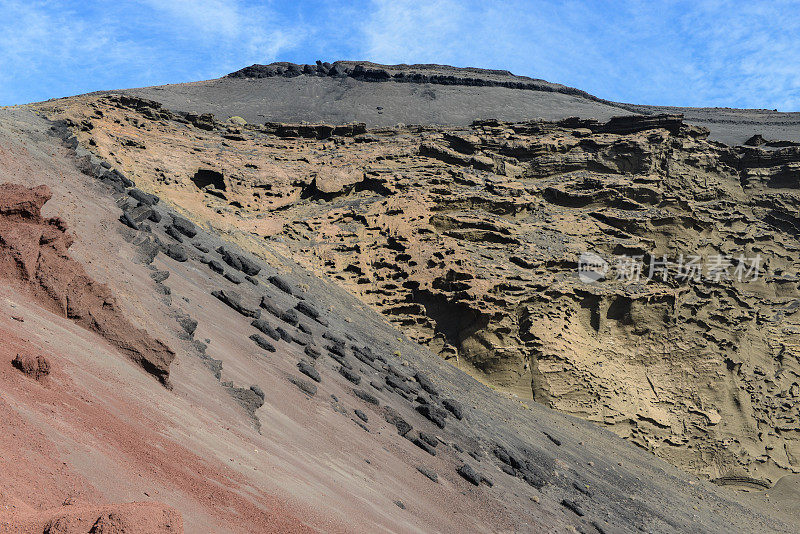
[33, 252]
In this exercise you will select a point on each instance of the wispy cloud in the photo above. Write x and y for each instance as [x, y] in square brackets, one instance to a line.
[700, 52]
[705, 53]
[55, 48]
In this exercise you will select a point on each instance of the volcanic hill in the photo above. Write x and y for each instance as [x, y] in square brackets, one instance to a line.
[345, 297]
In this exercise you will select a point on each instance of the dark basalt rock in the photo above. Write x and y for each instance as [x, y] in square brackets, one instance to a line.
[350, 375]
[333, 338]
[424, 445]
[365, 353]
[309, 370]
[258, 391]
[506, 457]
[176, 252]
[301, 340]
[270, 306]
[304, 328]
[470, 475]
[304, 385]
[582, 488]
[234, 300]
[553, 438]
[188, 324]
[239, 262]
[307, 309]
[425, 383]
[263, 343]
[144, 198]
[283, 334]
[430, 439]
[431, 475]
[312, 352]
[127, 220]
[454, 407]
[436, 415]
[216, 266]
[341, 360]
[116, 177]
[174, 234]
[573, 506]
[338, 350]
[233, 278]
[281, 284]
[159, 276]
[266, 328]
[393, 418]
[290, 317]
[155, 217]
[184, 226]
[361, 415]
[366, 397]
[249, 267]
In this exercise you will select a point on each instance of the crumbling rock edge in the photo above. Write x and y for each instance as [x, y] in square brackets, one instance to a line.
[33, 254]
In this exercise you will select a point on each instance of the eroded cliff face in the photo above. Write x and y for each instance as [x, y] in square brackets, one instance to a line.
[470, 239]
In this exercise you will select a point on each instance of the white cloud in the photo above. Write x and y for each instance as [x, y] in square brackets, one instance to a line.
[214, 17]
[681, 53]
[54, 48]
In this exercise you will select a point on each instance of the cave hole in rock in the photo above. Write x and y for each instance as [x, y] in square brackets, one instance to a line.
[205, 177]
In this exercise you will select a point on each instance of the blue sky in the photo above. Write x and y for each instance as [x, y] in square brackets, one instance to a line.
[698, 53]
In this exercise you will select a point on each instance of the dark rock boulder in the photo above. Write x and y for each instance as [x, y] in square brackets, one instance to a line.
[350, 375]
[128, 220]
[216, 266]
[234, 300]
[174, 234]
[281, 284]
[573, 506]
[394, 418]
[268, 304]
[304, 385]
[184, 226]
[233, 278]
[144, 198]
[266, 328]
[307, 309]
[283, 334]
[308, 369]
[176, 252]
[366, 397]
[424, 445]
[239, 262]
[470, 475]
[436, 415]
[425, 383]
[428, 473]
[262, 342]
[37, 367]
[454, 407]
[290, 317]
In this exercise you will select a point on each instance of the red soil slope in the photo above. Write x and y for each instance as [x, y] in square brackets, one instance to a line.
[33, 251]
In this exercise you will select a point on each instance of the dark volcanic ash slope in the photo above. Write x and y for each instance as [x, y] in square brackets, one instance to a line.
[385, 95]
